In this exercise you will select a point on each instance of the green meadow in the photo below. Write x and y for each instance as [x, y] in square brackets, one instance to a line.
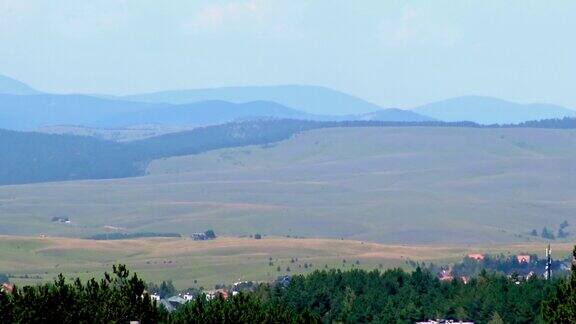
[32, 260]
[411, 185]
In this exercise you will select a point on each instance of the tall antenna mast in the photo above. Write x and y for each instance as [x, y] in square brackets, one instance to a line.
[548, 273]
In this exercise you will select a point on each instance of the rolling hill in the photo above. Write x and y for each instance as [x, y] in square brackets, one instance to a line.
[15, 87]
[226, 259]
[23, 108]
[37, 157]
[487, 110]
[384, 184]
[34, 157]
[44, 111]
[206, 113]
[32, 112]
[310, 99]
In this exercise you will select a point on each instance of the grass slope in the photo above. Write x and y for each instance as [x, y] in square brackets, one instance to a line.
[224, 260]
[392, 185]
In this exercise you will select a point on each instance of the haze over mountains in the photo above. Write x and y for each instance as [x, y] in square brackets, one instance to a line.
[386, 168]
[24, 108]
[311, 99]
[11, 86]
[487, 110]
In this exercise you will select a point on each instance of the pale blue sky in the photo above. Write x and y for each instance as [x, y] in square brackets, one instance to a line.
[394, 53]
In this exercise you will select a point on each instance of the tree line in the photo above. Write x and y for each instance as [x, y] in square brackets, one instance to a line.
[33, 157]
[391, 296]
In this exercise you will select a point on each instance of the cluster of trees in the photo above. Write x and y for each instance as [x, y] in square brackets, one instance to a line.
[118, 297]
[121, 297]
[549, 234]
[34, 157]
[395, 296]
[564, 123]
[392, 296]
[164, 290]
[560, 307]
[502, 264]
[242, 308]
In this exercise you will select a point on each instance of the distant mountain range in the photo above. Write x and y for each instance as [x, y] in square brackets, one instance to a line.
[487, 110]
[24, 108]
[310, 99]
[206, 113]
[29, 112]
[11, 86]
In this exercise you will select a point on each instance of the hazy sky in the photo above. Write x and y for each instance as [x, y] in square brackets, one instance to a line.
[394, 53]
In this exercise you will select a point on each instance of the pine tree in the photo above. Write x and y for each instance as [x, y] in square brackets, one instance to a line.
[561, 306]
[496, 319]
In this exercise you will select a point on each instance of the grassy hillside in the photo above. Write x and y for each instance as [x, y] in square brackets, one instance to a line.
[30, 157]
[224, 260]
[394, 185]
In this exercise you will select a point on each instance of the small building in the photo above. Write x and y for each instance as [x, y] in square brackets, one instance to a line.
[476, 256]
[218, 293]
[523, 258]
[188, 297]
[60, 219]
[208, 235]
[167, 305]
[177, 300]
[7, 288]
[283, 281]
[199, 236]
[445, 275]
[155, 297]
[172, 303]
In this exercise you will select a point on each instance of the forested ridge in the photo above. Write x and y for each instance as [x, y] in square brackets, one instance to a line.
[355, 296]
[33, 157]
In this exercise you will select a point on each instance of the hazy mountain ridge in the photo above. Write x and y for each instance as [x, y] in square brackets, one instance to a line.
[207, 113]
[15, 87]
[31, 110]
[311, 99]
[38, 112]
[489, 110]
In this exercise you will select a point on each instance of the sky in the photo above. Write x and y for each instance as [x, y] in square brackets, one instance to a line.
[393, 53]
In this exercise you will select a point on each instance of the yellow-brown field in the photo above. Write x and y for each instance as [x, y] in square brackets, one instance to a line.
[224, 260]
